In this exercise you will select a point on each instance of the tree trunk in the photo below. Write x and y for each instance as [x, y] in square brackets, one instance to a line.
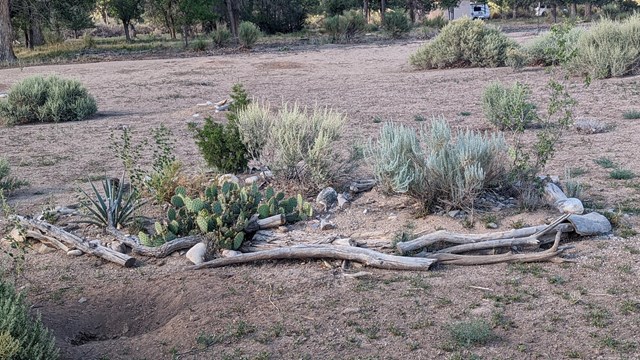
[365, 10]
[38, 37]
[185, 36]
[232, 18]
[26, 37]
[412, 10]
[587, 11]
[383, 8]
[554, 13]
[133, 31]
[515, 11]
[573, 10]
[126, 30]
[6, 34]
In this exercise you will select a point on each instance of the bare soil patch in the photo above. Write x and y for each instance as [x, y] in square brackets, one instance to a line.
[295, 310]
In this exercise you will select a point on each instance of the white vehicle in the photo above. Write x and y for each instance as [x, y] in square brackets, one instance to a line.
[480, 11]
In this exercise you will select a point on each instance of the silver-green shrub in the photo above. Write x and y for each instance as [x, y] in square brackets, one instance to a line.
[248, 34]
[345, 26]
[396, 23]
[554, 47]
[7, 182]
[609, 49]
[52, 99]
[301, 144]
[464, 43]
[508, 108]
[444, 170]
[254, 123]
[221, 35]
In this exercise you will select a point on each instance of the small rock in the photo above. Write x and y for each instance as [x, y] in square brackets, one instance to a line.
[95, 243]
[267, 174]
[75, 252]
[492, 225]
[326, 225]
[194, 317]
[252, 179]
[230, 253]
[44, 249]
[365, 211]
[454, 213]
[196, 115]
[196, 253]
[228, 178]
[348, 311]
[82, 300]
[327, 197]
[4, 95]
[342, 201]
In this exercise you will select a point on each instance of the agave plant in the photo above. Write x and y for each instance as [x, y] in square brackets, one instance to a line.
[114, 209]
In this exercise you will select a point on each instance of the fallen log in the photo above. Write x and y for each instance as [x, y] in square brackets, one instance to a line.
[47, 240]
[489, 244]
[552, 254]
[557, 198]
[455, 238]
[161, 251]
[365, 256]
[74, 241]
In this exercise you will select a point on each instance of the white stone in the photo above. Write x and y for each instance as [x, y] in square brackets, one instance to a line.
[15, 235]
[75, 252]
[342, 201]
[196, 253]
[326, 225]
[251, 179]
[230, 253]
[83, 300]
[44, 249]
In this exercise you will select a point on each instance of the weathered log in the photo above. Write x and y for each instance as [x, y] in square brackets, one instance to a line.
[271, 222]
[365, 256]
[489, 244]
[466, 260]
[455, 238]
[557, 198]
[77, 242]
[161, 251]
[47, 240]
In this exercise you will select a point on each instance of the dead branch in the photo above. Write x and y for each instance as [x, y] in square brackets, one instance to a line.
[74, 241]
[309, 251]
[551, 254]
[161, 251]
[455, 238]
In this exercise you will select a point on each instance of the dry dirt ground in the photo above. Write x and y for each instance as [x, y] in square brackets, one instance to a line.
[308, 310]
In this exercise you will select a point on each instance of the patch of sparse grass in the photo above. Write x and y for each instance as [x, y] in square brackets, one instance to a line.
[205, 340]
[499, 319]
[577, 171]
[621, 346]
[528, 269]
[556, 280]
[241, 329]
[631, 114]
[573, 354]
[465, 113]
[377, 119]
[418, 282]
[419, 118]
[605, 163]
[472, 332]
[622, 174]
[518, 224]
[626, 268]
[626, 232]
[371, 332]
[632, 249]
[629, 306]
[598, 317]
[396, 331]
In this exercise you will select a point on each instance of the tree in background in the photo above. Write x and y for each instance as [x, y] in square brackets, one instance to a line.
[6, 34]
[74, 15]
[449, 5]
[29, 17]
[126, 11]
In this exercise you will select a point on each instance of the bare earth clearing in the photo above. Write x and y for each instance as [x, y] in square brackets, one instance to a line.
[293, 310]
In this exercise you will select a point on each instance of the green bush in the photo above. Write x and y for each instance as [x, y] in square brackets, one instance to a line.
[21, 336]
[221, 35]
[555, 47]
[444, 171]
[609, 49]
[396, 23]
[464, 43]
[248, 34]
[199, 45]
[473, 332]
[221, 144]
[345, 26]
[7, 182]
[508, 108]
[437, 22]
[38, 99]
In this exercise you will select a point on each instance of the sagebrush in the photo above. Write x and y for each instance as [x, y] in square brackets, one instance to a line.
[8, 182]
[441, 170]
[508, 108]
[221, 35]
[396, 23]
[344, 27]
[52, 99]
[22, 337]
[248, 34]
[464, 43]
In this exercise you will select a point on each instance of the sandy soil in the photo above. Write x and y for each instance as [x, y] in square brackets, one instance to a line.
[298, 310]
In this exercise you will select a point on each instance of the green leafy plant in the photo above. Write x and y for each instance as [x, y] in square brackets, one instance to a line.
[464, 43]
[88, 41]
[199, 45]
[248, 34]
[221, 35]
[472, 332]
[52, 99]
[21, 336]
[221, 145]
[225, 214]
[7, 182]
[396, 23]
[445, 171]
[557, 47]
[113, 209]
[509, 108]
